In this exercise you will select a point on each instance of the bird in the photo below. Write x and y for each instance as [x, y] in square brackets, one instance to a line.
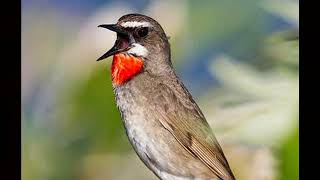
[164, 124]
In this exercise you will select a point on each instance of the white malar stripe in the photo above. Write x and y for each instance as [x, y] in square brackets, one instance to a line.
[134, 24]
[138, 50]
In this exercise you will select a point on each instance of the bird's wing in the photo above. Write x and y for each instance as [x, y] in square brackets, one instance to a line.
[187, 124]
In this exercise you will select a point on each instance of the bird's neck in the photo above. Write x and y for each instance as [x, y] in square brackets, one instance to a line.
[124, 67]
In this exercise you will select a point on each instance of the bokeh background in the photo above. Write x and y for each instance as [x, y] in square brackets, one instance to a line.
[239, 59]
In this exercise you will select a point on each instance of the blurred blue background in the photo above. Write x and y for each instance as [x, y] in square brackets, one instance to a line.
[239, 59]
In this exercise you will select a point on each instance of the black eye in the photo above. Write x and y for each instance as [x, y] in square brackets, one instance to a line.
[142, 32]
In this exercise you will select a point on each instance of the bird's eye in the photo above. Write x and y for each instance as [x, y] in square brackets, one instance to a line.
[142, 32]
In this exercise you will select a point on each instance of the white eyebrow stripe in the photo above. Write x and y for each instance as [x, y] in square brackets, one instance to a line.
[133, 24]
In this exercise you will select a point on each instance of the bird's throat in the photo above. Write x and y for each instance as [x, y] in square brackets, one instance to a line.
[124, 67]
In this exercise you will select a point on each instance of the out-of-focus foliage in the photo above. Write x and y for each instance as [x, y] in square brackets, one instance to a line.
[259, 108]
[239, 59]
[103, 124]
[289, 157]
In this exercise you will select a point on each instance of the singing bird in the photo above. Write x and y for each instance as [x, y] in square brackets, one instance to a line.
[164, 124]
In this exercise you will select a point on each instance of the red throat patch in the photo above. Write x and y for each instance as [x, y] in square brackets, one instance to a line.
[124, 67]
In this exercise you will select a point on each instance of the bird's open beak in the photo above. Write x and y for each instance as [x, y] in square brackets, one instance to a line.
[113, 27]
[120, 44]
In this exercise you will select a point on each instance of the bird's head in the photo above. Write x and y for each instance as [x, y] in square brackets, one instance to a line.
[141, 45]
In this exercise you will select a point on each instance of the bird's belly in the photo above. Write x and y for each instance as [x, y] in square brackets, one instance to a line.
[159, 150]
[151, 143]
[154, 144]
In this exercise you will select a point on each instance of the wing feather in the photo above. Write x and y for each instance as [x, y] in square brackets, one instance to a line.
[185, 121]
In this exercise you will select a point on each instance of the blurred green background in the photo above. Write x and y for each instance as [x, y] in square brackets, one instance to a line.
[239, 59]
